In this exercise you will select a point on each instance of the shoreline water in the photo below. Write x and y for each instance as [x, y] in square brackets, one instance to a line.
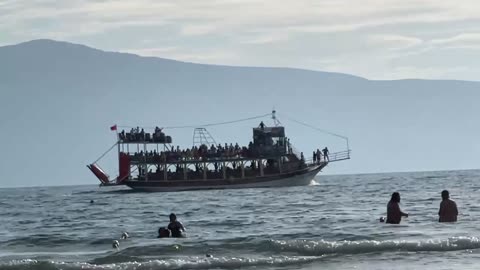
[331, 225]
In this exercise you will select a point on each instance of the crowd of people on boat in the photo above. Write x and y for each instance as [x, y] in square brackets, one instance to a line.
[319, 156]
[205, 153]
[139, 135]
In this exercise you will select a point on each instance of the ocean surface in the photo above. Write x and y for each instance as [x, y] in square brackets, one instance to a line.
[331, 224]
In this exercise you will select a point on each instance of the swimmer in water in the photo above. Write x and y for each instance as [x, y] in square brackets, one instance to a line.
[176, 227]
[125, 235]
[394, 214]
[115, 244]
[163, 233]
[448, 209]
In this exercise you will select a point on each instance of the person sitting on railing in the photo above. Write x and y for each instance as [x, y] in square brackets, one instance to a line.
[132, 135]
[121, 135]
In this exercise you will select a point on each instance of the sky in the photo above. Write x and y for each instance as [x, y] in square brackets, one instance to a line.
[375, 39]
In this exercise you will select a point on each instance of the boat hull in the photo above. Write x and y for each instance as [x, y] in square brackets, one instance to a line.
[300, 178]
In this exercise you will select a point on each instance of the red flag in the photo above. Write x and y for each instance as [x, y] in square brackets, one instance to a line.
[114, 127]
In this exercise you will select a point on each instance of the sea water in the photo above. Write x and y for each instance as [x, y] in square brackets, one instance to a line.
[333, 224]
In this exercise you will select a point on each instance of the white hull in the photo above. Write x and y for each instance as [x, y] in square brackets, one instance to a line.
[297, 180]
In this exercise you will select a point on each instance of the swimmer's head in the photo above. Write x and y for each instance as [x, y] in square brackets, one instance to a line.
[395, 197]
[162, 232]
[115, 244]
[382, 219]
[173, 217]
[125, 235]
[445, 194]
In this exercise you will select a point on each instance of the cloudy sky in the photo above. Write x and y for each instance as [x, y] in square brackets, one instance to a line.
[376, 39]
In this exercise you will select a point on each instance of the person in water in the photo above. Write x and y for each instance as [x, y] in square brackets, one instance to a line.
[176, 227]
[394, 214]
[448, 209]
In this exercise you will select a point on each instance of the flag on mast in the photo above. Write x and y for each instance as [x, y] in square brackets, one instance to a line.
[114, 127]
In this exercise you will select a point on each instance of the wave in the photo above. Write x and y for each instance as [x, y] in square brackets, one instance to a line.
[177, 263]
[318, 248]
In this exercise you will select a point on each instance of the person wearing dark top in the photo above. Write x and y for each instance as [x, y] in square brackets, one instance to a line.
[176, 227]
[325, 154]
[448, 209]
[394, 214]
[262, 125]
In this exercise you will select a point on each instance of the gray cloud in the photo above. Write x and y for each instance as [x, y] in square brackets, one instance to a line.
[366, 38]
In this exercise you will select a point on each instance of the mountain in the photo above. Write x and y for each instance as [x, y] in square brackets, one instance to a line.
[57, 101]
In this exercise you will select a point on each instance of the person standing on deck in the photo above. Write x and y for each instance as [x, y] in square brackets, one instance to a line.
[448, 209]
[394, 214]
[314, 157]
[319, 155]
[325, 154]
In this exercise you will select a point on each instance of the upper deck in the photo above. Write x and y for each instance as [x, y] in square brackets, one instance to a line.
[137, 135]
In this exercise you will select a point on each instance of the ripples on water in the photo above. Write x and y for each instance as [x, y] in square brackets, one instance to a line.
[332, 225]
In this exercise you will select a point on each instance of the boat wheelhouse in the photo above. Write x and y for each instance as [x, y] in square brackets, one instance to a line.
[150, 162]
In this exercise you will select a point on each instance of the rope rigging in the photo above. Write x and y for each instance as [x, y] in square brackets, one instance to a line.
[277, 122]
[319, 129]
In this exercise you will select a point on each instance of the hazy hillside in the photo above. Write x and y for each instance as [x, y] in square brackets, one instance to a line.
[57, 101]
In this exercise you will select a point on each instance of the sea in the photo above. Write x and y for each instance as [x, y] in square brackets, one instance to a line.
[331, 224]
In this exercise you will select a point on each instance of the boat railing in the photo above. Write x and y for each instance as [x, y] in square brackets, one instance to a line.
[339, 156]
[332, 157]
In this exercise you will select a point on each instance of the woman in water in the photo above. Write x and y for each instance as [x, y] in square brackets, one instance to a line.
[394, 214]
[175, 226]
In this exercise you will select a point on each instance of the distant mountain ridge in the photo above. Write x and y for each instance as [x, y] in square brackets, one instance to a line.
[58, 98]
[48, 46]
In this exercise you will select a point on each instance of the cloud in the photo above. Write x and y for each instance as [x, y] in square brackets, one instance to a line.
[461, 41]
[246, 32]
[195, 30]
[395, 42]
[265, 38]
[211, 16]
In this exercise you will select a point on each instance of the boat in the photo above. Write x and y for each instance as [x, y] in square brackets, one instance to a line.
[149, 161]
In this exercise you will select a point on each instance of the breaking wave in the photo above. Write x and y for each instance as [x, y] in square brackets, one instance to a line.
[317, 248]
[182, 263]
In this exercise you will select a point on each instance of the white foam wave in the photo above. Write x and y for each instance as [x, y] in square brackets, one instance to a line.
[317, 248]
[314, 183]
[178, 263]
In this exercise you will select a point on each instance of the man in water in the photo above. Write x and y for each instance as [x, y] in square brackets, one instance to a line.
[448, 209]
[394, 214]
[175, 226]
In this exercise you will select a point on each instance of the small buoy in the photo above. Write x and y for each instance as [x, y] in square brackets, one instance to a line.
[115, 244]
[125, 235]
